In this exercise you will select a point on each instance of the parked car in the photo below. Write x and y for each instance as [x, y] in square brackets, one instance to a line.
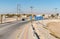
[23, 19]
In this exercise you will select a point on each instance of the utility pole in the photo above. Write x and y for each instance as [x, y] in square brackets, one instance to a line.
[31, 13]
[18, 10]
[56, 10]
[31, 9]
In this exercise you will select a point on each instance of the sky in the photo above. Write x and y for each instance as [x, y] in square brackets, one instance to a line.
[39, 6]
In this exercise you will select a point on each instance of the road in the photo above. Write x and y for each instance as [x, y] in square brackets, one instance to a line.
[27, 32]
[10, 30]
[24, 30]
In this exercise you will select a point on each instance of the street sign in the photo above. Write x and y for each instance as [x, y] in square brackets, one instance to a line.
[38, 17]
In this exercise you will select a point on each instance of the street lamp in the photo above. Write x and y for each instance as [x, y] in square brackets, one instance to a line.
[31, 9]
[56, 10]
[18, 9]
[31, 13]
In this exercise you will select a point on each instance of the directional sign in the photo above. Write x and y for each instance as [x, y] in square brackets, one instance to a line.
[38, 17]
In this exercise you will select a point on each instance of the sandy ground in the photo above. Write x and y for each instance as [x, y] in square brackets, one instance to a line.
[42, 32]
[9, 20]
[48, 21]
[54, 27]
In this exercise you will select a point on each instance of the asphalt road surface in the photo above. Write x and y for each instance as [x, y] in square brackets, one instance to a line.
[24, 30]
[27, 32]
[8, 29]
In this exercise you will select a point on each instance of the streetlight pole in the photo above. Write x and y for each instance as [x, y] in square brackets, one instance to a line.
[31, 9]
[31, 13]
[17, 13]
[56, 10]
[18, 9]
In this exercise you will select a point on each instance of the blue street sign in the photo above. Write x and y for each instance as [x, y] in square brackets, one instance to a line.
[38, 17]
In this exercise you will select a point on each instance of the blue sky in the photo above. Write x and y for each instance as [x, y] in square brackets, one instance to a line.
[39, 6]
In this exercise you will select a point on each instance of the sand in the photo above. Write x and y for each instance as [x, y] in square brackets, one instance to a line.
[8, 20]
[54, 27]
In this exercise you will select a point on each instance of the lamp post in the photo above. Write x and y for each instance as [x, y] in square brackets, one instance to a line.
[31, 9]
[18, 9]
[56, 10]
[31, 12]
[57, 14]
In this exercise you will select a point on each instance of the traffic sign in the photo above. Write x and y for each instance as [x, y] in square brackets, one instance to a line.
[38, 17]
